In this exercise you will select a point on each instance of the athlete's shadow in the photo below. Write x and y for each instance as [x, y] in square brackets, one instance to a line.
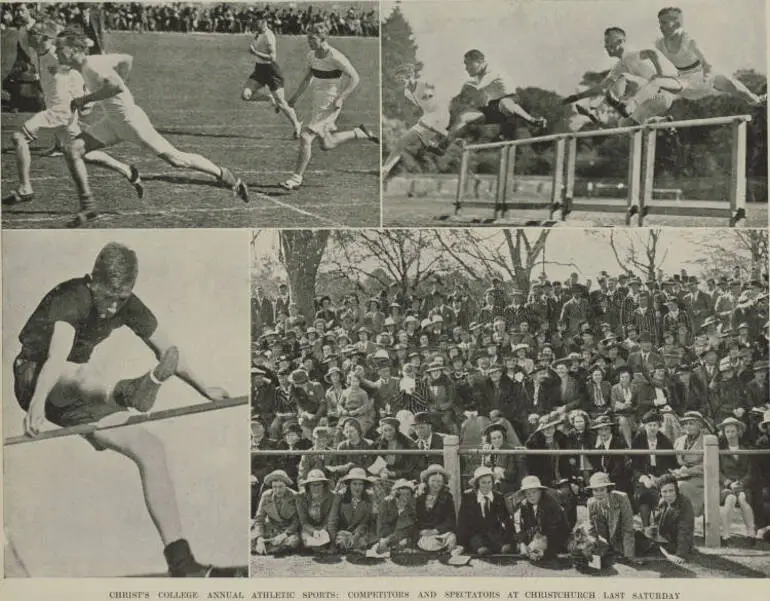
[199, 134]
[183, 180]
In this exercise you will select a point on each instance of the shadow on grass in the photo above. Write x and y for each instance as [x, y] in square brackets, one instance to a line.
[197, 134]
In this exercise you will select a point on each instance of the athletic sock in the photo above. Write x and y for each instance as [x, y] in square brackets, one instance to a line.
[180, 559]
[87, 204]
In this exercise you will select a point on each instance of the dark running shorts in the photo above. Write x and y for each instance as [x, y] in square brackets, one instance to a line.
[268, 74]
[492, 112]
[25, 375]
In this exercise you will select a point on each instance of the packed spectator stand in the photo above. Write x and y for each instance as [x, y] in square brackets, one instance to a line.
[283, 18]
[654, 365]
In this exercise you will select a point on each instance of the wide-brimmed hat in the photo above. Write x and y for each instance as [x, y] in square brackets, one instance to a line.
[403, 483]
[653, 415]
[599, 480]
[480, 473]
[522, 346]
[390, 421]
[357, 473]
[333, 370]
[731, 421]
[298, 376]
[315, 476]
[603, 421]
[423, 417]
[694, 416]
[531, 483]
[551, 420]
[381, 355]
[279, 475]
[433, 469]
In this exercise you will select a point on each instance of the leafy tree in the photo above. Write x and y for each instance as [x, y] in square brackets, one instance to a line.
[398, 49]
[300, 253]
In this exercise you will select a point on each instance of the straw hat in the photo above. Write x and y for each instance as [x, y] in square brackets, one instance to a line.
[357, 473]
[734, 422]
[531, 483]
[315, 476]
[403, 483]
[333, 370]
[599, 480]
[603, 421]
[279, 475]
[433, 469]
[392, 421]
[480, 473]
[552, 419]
[694, 416]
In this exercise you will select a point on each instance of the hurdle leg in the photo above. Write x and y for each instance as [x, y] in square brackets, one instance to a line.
[557, 182]
[502, 180]
[634, 174]
[738, 173]
[461, 181]
[648, 175]
[569, 187]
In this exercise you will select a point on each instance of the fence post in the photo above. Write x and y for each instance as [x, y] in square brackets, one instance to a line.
[452, 466]
[502, 176]
[711, 520]
[461, 182]
[648, 174]
[558, 175]
[737, 192]
[569, 187]
[634, 174]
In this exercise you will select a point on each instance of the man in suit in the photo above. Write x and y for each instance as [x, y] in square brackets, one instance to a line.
[425, 439]
[261, 310]
[698, 303]
[91, 20]
[282, 302]
[610, 513]
[642, 361]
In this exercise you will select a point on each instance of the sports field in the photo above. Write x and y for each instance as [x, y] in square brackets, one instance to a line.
[190, 85]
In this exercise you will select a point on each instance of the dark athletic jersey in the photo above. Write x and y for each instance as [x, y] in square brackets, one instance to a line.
[71, 302]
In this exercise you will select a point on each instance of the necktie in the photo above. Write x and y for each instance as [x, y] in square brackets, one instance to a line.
[485, 507]
[537, 392]
[599, 397]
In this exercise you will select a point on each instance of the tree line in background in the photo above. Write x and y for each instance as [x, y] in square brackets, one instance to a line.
[702, 152]
[404, 263]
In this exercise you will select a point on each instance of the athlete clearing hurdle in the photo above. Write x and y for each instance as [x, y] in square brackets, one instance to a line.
[633, 67]
[53, 381]
[495, 101]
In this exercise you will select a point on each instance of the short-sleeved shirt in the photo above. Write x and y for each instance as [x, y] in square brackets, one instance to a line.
[72, 303]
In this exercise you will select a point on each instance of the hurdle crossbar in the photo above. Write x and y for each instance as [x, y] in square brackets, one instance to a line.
[640, 172]
[140, 418]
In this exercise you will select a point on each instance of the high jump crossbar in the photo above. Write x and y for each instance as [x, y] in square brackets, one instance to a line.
[641, 168]
[139, 418]
[452, 452]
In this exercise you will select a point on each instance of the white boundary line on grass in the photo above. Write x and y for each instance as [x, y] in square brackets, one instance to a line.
[177, 211]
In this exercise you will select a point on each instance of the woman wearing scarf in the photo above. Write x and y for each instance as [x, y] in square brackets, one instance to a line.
[508, 469]
[354, 522]
[317, 509]
[689, 474]
[544, 529]
[391, 439]
[397, 519]
[484, 524]
[624, 400]
[276, 526]
[436, 520]
[648, 469]
[735, 478]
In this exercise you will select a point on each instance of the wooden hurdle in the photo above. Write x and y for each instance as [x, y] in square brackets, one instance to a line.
[639, 183]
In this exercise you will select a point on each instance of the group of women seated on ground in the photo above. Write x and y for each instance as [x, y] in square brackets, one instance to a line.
[514, 504]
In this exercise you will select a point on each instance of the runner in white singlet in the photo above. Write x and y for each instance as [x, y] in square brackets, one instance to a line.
[493, 97]
[695, 77]
[122, 120]
[60, 85]
[624, 85]
[331, 78]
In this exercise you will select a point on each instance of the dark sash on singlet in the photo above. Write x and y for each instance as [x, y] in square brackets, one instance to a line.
[334, 74]
[695, 65]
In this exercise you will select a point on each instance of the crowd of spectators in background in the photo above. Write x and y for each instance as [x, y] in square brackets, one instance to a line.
[283, 19]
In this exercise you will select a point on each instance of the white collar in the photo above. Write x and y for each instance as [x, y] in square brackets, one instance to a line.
[480, 497]
[600, 444]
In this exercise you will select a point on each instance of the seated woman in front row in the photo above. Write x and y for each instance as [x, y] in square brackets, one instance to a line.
[544, 528]
[355, 515]
[276, 525]
[317, 512]
[674, 522]
[484, 525]
[436, 519]
[397, 519]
